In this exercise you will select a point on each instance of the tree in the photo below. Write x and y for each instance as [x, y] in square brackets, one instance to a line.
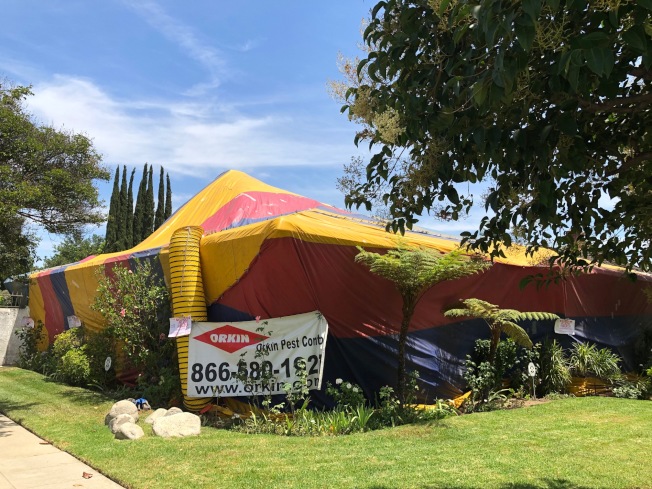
[148, 205]
[499, 321]
[130, 211]
[168, 197]
[547, 102]
[46, 179]
[73, 249]
[413, 272]
[159, 217]
[121, 240]
[138, 211]
[17, 247]
[111, 236]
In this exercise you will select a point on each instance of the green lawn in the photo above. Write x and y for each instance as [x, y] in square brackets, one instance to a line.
[570, 443]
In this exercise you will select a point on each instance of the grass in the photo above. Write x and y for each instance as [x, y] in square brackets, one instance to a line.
[566, 444]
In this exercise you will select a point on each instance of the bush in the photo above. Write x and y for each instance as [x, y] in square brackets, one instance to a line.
[347, 396]
[587, 360]
[74, 367]
[136, 306]
[482, 378]
[29, 356]
[554, 373]
[70, 363]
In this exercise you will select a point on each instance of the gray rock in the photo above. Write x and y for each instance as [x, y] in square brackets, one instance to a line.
[129, 431]
[183, 424]
[119, 420]
[173, 410]
[160, 412]
[122, 407]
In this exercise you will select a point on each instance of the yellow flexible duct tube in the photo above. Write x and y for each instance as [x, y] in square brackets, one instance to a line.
[187, 297]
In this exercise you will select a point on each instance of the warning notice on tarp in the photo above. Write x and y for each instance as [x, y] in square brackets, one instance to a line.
[256, 357]
[565, 326]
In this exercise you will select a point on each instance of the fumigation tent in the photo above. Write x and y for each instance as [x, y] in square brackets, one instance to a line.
[269, 253]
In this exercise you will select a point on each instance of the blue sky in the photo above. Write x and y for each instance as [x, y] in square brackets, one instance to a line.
[197, 87]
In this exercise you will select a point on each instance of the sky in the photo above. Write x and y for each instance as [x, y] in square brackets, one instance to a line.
[196, 87]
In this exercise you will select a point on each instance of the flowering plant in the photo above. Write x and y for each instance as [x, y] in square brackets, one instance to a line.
[347, 395]
[136, 306]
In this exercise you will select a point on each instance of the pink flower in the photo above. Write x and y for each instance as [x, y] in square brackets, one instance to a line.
[123, 312]
[257, 319]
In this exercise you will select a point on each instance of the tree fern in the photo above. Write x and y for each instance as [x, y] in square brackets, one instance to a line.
[499, 321]
[413, 271]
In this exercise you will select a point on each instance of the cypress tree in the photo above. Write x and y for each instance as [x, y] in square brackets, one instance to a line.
[148, 206]
[160, 205]
[168, 198]
[121, 219]
[138, 212]
[111, 224]
[130, 211]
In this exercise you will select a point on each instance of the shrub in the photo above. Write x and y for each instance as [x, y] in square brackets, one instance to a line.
[554, 373]
[347, 396]
[136, 306]
[70, 362]
[29, 356]
[483, 378]
[587, 360]
[74, 367]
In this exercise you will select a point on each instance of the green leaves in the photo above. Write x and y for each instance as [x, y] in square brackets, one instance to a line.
[46, 179]
[635, 38]
[537, 95]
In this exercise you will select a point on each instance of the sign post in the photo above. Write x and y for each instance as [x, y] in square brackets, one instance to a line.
[532, 372]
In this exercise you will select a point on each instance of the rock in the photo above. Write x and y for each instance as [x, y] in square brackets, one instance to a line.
[122, 407]
[182, 424]
[160, 412]
[173, 410]
[129, 431]
[119, 420]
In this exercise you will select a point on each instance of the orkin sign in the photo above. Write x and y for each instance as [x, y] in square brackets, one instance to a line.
[256, 357]
[230, 339]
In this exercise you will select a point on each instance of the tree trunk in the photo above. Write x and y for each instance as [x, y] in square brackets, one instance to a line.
[493, 345]
[408, 312]
[493, 349]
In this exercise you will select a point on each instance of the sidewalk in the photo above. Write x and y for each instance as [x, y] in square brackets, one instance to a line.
[27, 462]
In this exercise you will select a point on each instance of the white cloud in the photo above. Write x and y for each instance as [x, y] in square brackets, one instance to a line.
[187, 138]
[186, 39]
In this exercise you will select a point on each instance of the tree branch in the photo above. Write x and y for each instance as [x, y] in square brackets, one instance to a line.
[621, 104]
[643, 73]
[629, 163]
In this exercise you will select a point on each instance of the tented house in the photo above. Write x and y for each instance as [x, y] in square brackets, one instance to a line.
[269, 253]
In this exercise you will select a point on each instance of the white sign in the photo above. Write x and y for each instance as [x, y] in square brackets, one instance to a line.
[531, 369]
[107, 364]
[565, 326]
[180, 327]
[73, 322]
[256, 357]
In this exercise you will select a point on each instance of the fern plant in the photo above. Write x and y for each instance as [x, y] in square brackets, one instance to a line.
[499, 321]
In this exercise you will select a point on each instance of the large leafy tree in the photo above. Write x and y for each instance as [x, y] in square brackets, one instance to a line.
[73, 249]
[547, 101]
[46, 179]
[413, 271]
